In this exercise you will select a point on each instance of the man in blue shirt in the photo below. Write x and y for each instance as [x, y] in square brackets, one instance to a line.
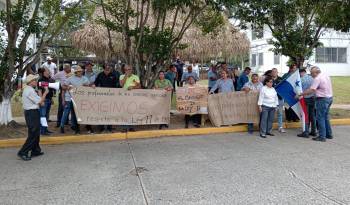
[212, 77]
[243, 78]
[306, 82]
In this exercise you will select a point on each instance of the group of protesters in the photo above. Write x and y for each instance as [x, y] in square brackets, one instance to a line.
[37, 104]
[317, 92]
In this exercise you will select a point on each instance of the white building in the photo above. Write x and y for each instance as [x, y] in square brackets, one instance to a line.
[333, 57]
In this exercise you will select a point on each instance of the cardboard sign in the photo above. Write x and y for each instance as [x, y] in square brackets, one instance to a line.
[233, 108]
[192, 100]
[113, 106]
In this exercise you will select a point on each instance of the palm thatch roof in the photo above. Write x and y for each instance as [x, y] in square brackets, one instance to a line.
[225, 43]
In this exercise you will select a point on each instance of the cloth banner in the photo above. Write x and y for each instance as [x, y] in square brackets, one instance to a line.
[114, 106]
[192, 100]
[233, 108]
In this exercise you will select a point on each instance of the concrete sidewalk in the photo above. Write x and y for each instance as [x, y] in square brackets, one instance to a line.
[147, 134]
[207, 169]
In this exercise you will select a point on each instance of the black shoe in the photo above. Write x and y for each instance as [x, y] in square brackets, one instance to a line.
[58, 125]
[24, 157]
[62, 130]
[50, 132]
[186, 126]
[45, 134]
[319, 139]
[131, 129]
[314, 134]
[196, 125]
[37, 154]
[270, 134]
[77, 131]
[263, 136]
[304, 134]
[160, 127]
[329, 137]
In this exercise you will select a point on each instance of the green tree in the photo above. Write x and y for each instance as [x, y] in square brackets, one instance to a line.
[20, 21]
[296, 25]
[152, 29]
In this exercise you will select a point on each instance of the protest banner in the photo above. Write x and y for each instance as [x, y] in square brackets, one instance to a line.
[192, 100]
[233, 108]
[113, 106]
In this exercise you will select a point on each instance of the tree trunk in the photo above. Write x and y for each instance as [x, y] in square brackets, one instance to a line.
[5, 112]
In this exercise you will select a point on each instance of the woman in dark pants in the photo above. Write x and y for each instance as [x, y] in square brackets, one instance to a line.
[268, 102]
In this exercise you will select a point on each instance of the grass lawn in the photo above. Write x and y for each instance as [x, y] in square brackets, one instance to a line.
[341, 90]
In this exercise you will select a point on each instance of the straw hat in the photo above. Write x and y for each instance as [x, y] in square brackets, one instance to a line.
[31, 78]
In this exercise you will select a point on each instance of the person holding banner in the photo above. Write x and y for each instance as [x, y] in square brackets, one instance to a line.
[189, 73]
[74, 81]
[46, 107]
[31, 101]
[163, 84]
[129, 81]
[268, 102]
[224, 84]
[196, 118]
[253, 86]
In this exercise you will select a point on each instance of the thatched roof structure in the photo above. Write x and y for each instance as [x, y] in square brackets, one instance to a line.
[226, 43]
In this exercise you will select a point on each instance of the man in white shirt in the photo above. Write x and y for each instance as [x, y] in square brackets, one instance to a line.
[31, 101]
[51, 66]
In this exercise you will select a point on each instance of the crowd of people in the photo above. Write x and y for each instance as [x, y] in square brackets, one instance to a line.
[37, 104]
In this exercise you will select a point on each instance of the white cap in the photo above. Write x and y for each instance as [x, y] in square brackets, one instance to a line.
[48, 58]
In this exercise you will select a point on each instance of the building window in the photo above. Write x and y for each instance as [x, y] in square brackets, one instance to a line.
[331, 55]
[276, 59]
[261, 59]
[257, 34]
[253, 60]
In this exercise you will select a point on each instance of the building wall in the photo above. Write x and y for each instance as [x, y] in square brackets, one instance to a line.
[330, 38]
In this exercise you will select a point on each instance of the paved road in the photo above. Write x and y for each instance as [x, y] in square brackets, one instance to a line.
[211, 169]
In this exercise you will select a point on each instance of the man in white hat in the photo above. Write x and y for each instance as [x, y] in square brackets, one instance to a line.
[31, 101]
[74, 81]
[51, 66]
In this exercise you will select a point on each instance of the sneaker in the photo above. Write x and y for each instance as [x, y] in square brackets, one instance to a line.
[281, 130]
[91, 132]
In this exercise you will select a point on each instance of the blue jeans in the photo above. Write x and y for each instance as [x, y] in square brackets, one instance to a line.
[266, 119]
[310, 105]
[67, 109]
[322, 116]
[280, 113]
[44, 112]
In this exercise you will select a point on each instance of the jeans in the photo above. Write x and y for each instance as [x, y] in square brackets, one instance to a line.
[32, 118]
[266, 119]
[322, 115]
[67, 109]
[250, 127]
[310, 105]
[60, 109]
[280, 113]
[44, 112]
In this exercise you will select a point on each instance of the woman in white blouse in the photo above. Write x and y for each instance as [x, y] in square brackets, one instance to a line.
[268, 102]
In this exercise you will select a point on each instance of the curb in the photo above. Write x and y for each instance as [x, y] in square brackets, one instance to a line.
[146, 134]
